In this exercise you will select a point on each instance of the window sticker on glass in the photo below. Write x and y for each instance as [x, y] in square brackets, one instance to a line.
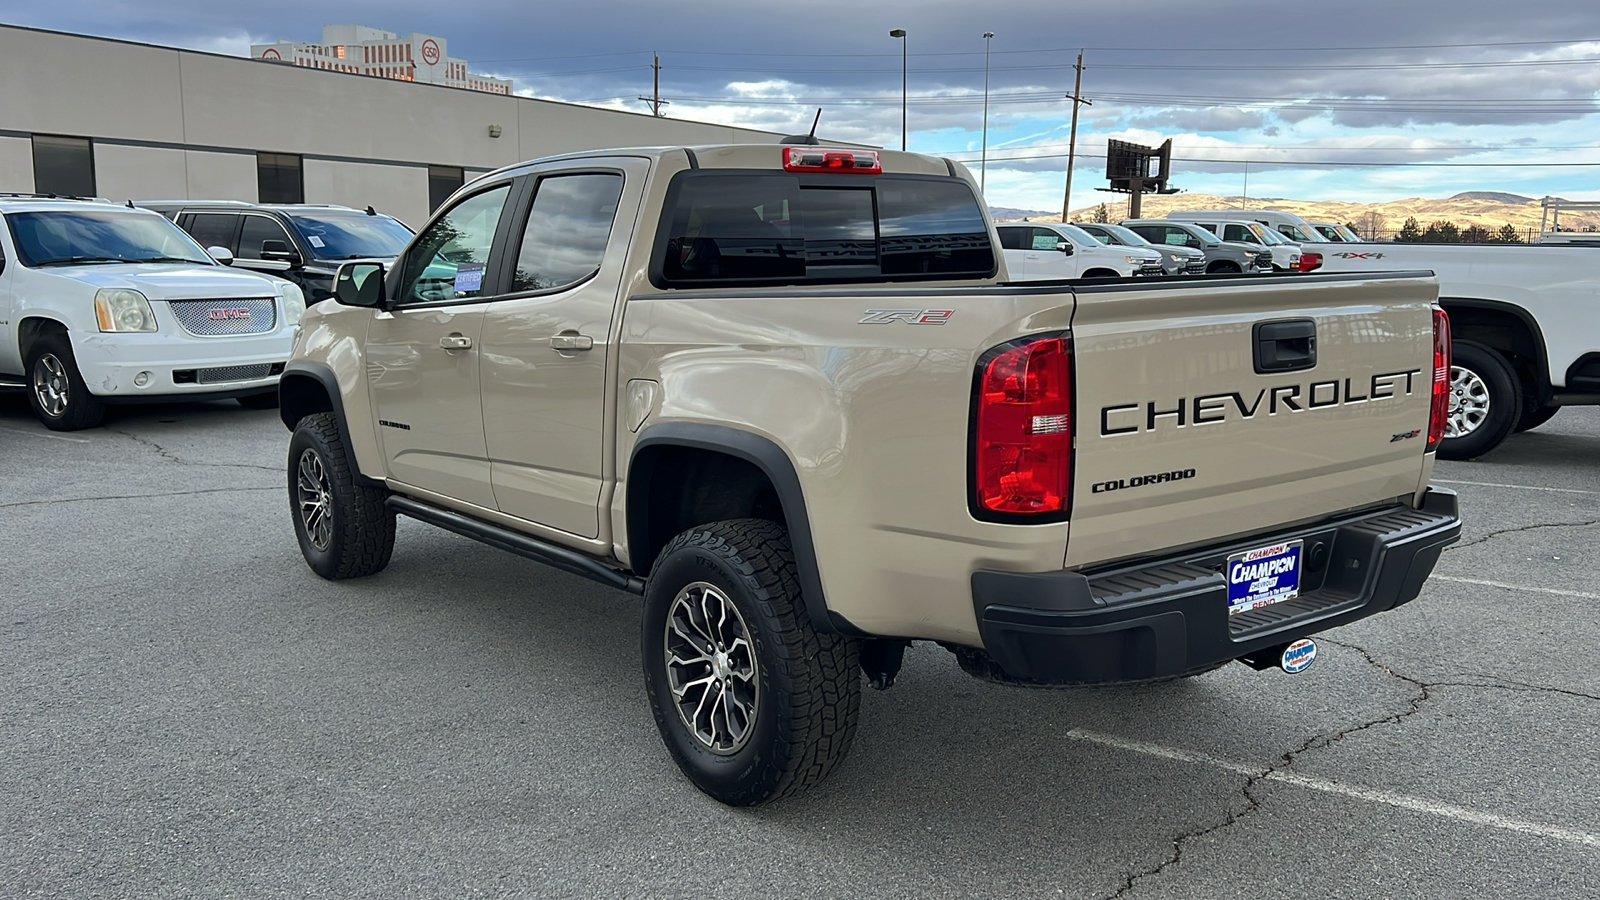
[1045, 241]
[315, 241]
[469, 278]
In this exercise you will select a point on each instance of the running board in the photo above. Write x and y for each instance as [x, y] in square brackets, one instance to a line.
[13, 381]
[539, 551]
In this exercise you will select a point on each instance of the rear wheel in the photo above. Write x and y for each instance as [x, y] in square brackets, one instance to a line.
[56, 390]
[344, 529]
[1485, 401]
[752, 702]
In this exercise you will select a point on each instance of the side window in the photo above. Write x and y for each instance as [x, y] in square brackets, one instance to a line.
[1013, 238]
[256, 232]
[1238, 233]
[1209, 226]
[568, 227]
[448, 260]
[214, 230]
[1045, 239]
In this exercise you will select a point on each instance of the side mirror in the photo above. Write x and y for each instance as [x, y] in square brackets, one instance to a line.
[1064, 247]
[359, 284]
[279, 250]
[220, 254]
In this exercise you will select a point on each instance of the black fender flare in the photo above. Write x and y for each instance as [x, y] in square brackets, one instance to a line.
[766, 456]
[292, 408]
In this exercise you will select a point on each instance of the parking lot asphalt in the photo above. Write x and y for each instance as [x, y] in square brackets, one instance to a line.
[187, 711]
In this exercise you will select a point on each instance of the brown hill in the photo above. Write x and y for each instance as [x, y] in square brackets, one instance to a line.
[1486, 208]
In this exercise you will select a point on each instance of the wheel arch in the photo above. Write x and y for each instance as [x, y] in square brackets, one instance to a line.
[307, 388]
[659, 500]
[1101, 272]
[1507, 329]
[33, 327]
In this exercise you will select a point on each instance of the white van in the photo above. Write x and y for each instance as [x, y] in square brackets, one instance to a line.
[1289, 225]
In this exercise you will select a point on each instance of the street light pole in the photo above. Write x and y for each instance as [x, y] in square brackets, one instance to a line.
[900, 34]
[983, 172]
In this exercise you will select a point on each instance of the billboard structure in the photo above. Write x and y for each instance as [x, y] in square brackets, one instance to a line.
[1137, 170]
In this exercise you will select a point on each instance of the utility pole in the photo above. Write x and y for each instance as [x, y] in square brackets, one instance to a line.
[655, 100]
[1072, 142]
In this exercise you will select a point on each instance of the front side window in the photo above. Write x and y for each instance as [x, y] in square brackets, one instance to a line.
[279, 178]
[63, 166]
[568, 227]
[84, 237]
[340, 236]
[778, 228]
[1239, 233]
[450, 259]
[1045, 239]
[1293, 233]
[257, 231]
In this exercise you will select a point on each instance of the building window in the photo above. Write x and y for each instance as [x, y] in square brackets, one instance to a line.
[63, 165]
[278, 178]
[442, 182]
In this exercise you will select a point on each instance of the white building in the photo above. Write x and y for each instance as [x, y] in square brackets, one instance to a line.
[89, 116]
[359, 50]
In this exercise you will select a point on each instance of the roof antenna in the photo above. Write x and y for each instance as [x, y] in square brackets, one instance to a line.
[130, 204]
[810, 139]
[371, 211]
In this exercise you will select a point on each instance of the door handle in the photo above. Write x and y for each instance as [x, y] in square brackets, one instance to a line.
[455, 342]
[571, 341]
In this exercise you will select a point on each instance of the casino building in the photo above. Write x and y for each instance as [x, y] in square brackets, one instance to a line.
[87, 116]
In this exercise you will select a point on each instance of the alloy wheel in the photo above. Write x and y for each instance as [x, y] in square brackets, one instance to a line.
[1469, 403]
[711, 668]
[51, 386]
[314, 498]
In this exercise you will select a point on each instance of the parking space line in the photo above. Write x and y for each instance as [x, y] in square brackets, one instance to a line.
[1582, 595]
[1355, 792]
[1520, 487]
[53, 437]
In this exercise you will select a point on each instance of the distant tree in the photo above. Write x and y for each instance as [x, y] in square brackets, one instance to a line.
[1101, 214]
[1369, 225]
[1410, 232]
[1441, 232]
[1507, 235]
[1475, 234]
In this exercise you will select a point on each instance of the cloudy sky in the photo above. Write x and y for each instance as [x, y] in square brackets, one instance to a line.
[1349, 100]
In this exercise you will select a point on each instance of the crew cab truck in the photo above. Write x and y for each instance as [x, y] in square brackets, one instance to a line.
[1525, 321]
[786, 393]
[101, 304]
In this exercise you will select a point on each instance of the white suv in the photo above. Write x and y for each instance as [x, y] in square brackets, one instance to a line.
[102, 304]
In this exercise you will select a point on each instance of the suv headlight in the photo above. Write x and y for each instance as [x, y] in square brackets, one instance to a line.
[294, 302]
[120, 309]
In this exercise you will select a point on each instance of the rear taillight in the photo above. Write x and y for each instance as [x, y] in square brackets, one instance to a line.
[1022, 432]
[821, 159]
[1310, 260]
[1440, 410]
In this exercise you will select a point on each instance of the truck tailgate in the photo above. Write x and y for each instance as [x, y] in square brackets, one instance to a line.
[1200, 417]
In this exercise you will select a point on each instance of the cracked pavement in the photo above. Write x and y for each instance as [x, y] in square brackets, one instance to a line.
[189, 712]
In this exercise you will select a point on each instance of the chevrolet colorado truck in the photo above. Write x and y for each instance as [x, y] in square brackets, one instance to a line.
[787, 394]
[1525, 322]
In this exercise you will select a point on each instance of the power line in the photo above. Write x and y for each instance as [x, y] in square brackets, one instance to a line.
[1313, 164]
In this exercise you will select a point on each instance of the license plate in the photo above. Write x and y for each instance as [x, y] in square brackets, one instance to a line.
[1264, 576]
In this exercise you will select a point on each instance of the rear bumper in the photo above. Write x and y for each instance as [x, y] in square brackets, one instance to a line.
[1167, 617]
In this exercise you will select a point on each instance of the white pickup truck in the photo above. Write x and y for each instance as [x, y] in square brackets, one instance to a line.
[1525, 323]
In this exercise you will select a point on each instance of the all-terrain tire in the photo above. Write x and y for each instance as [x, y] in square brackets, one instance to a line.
[56, 389]
[344, 528]
[1485, 401]
[801, 688]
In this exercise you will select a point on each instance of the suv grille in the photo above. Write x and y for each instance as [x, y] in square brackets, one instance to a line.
[232, 373]
[214, 318]
[1198, 267]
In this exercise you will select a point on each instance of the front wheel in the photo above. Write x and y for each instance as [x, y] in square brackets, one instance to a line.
[752, 702]
[1224, 268]
[1485, 401]
[56, 390]
[344, 528]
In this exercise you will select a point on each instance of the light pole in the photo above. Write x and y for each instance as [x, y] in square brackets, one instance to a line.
[983, 171]
[900, 34]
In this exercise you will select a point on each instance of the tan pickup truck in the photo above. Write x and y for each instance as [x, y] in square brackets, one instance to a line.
[786, 393]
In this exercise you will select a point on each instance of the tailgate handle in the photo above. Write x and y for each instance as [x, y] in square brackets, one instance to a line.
[1287, 345]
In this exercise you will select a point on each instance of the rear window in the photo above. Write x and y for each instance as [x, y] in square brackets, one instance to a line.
[723, 228]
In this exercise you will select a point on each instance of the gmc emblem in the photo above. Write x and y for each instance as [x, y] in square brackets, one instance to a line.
[236, 312]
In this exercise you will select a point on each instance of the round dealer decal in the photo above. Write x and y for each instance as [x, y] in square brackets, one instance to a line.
[430, 52]
[1298, 656]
